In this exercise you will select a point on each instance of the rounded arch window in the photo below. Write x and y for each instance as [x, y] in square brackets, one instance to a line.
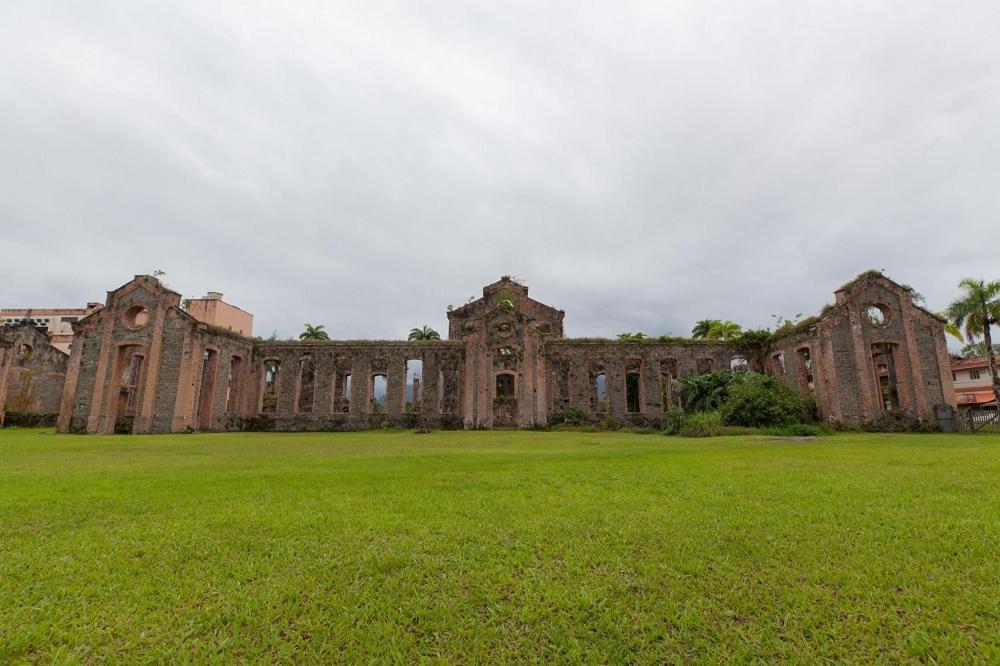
[24, 351]
[878, 315]
[136, 317]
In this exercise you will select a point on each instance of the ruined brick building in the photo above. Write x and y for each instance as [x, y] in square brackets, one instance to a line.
[145, 363]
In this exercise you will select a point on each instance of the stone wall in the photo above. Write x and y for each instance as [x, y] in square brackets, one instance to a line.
[141, 364]
[330, 385]
[874, 350]
[576, 367]
[32, 371]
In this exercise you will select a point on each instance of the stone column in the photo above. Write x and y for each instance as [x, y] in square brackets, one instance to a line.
[395, 396]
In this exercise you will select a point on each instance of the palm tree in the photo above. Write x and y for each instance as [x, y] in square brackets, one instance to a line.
[701, 329]
[952, 330]
[423, 334]
[754, 344]
[314, 332]
[975, 311]
[724, 330]
[705, 393]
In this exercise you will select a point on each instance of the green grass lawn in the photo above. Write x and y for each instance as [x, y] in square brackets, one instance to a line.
[498, 546]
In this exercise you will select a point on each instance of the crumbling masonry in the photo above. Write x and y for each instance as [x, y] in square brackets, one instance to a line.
[142, 364]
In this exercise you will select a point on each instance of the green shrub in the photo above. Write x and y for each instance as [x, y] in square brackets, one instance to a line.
[898, 421]
[673, 420]
[30, 420]
[573, 415]
[762, 401]
[702, 424]
[611, 423]
[706, 393]
[797, 430]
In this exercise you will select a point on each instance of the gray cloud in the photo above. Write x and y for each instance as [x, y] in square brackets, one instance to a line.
[364, 165]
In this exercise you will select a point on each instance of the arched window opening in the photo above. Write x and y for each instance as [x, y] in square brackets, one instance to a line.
[884, 361]
[414, 386]
[342, 393]
[307, 385]
[806, 373]
[269, 396]
[778, 364]
[378, 393]
[505, 391]
[130, 361]
[598, 391]
[632, 400]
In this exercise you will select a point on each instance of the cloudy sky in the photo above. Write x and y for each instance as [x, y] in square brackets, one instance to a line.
[363, 165]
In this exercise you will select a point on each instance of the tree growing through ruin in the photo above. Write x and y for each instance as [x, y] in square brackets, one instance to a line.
[716, 329]
[754, 344]
[314, 332]
[423, 334]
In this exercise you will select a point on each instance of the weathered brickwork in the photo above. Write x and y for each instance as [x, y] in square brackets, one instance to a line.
[142, 364]
[874, 350]
[32, 371]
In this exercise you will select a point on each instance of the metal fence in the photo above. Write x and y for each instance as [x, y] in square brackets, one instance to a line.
[976, 419]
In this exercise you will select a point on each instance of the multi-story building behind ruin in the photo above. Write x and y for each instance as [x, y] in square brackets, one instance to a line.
[147, 362]
[56, 322]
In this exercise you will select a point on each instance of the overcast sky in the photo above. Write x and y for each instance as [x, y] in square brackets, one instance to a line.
[363, 165]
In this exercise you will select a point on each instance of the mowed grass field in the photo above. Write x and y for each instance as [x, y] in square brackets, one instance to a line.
[498, 547]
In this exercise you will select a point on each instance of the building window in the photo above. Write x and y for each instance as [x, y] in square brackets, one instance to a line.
[878, 315]
[884, 360]
[307, 384]
[24, 352]
[598, 391]
[973, 374]
[269, 397]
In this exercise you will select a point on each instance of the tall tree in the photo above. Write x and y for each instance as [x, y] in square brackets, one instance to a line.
[314, 332]
[701, 329]
[724, 330]
[975, 311]
[423, 333]
[953, 331]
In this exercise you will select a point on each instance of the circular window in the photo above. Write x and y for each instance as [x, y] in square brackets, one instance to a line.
[136, 317]
[878, 315]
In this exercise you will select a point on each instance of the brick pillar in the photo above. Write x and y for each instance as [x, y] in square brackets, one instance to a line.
[395, 386]
[151, 372]
[431, 371]
[68, 404]
[97, 398]
[187, 374]
[868, 398]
